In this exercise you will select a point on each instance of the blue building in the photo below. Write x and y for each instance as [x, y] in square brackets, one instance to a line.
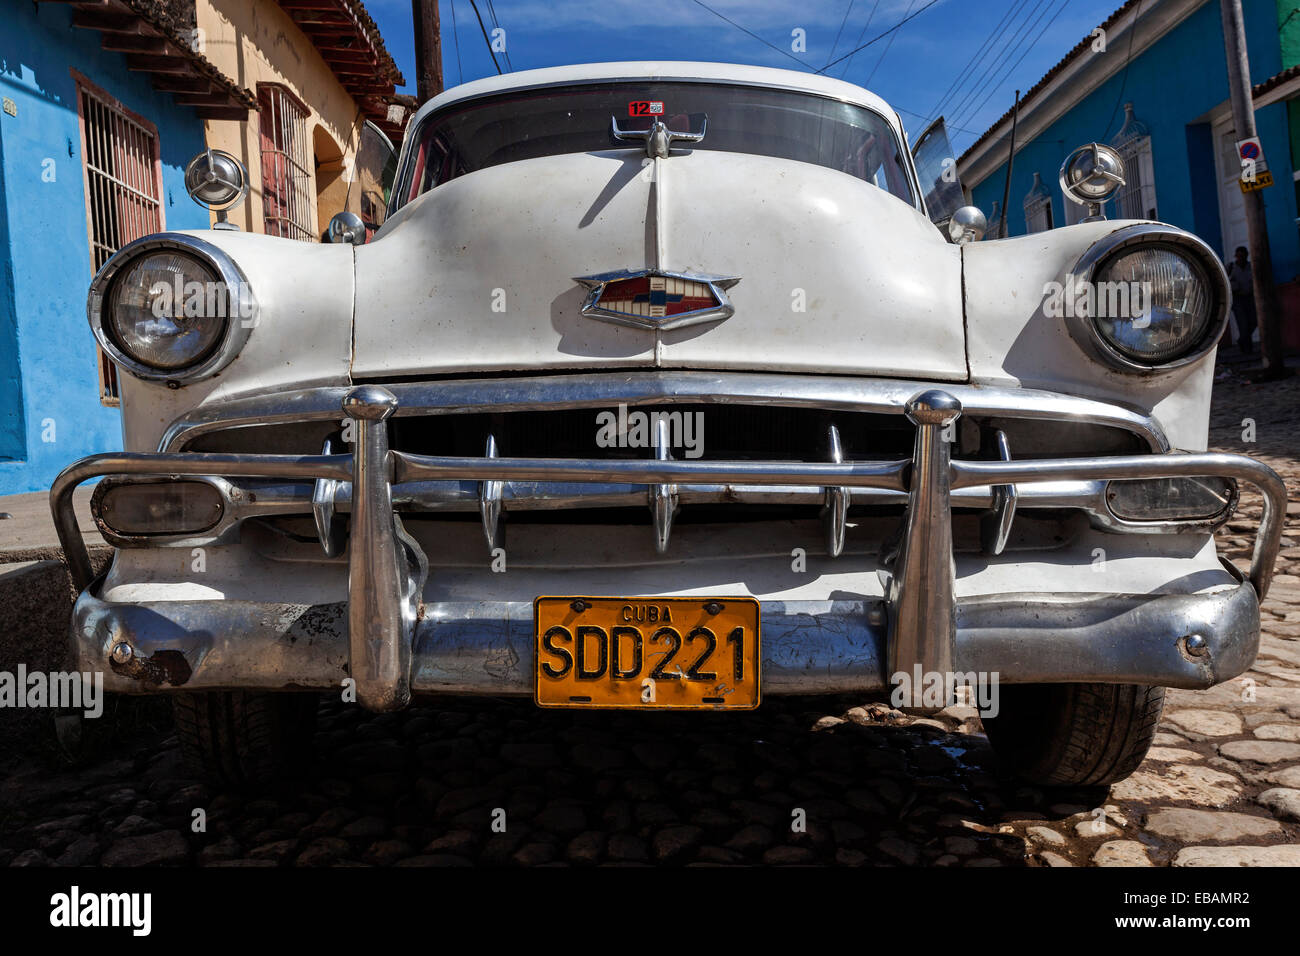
[102, 109]
[1167, 109]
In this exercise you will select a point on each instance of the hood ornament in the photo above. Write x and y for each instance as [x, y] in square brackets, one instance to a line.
[653, 299]
[658, 138]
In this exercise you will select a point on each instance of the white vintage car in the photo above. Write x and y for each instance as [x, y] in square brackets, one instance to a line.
[753, 423]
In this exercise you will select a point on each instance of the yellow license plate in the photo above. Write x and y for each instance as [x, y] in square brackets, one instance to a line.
[647, 653]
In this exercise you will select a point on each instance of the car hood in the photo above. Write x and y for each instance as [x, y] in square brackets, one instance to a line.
[835, 274]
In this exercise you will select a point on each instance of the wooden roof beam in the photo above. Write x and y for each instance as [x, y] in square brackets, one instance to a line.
[111, 21]
[166, 83]
[175, 65]
[127, 43]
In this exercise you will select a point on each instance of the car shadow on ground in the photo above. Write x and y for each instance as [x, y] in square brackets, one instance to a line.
[820, 780]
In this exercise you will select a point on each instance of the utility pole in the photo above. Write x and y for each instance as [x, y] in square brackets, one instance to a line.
[1243, 116]
[428, 49]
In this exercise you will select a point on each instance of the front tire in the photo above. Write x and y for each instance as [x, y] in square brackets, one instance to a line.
[245, 740]
[1070, 735]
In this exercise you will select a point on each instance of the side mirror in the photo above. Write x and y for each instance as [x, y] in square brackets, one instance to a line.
[346, 227]
[967, 224]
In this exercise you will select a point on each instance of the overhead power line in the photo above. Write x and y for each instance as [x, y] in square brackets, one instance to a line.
[483, 29]
[922, 116]
[1128, 60]
[460, 72]
[968, 68]
[861, 33]
[1059, 10]
[885, 53]
[750, 33]
[808, 66]
[840, 31]
[880, 36]
[1015, 34]
[496, 22]
[1001, 74]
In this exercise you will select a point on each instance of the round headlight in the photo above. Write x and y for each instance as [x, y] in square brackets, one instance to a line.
[1146, 298]
[171, 308]
[1153, 304]
[166, 310]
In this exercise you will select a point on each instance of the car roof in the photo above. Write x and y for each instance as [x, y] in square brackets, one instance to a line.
[662, 70]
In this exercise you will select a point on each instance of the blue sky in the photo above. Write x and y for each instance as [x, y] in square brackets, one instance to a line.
[912, 68]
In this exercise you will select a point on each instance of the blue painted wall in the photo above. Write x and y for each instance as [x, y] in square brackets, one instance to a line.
[1172, 84]
[49, 383]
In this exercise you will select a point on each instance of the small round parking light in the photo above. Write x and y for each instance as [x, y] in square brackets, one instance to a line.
[217, 180]
[1091, 175]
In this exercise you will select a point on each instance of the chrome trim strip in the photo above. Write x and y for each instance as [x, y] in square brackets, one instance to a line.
[862, 474]
[569, 391]
[238, 326]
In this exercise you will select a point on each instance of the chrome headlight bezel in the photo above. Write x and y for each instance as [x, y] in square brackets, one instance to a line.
[1083, 329]
[241, 307]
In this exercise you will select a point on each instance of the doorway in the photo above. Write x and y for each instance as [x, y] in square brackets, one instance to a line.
[1232, 207]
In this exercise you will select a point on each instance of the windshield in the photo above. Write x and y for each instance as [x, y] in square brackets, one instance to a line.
[526, 124]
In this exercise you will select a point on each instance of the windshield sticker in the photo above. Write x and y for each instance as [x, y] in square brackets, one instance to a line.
[645, 108]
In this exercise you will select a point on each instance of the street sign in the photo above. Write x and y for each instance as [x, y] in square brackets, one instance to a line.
[1261, 181]
[1254, 167]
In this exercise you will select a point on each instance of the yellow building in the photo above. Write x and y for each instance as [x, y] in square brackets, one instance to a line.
[318, 70]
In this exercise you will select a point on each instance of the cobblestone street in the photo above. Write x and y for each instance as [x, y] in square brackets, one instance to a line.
[800, 781]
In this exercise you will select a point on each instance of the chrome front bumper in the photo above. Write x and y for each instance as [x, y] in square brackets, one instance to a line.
[392, 644]
[809, 647]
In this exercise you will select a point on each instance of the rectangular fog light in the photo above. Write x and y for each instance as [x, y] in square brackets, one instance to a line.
[155, 508]
[1172, 499]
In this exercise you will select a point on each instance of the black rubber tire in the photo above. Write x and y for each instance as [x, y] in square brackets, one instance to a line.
[245, 740]
[1069, 735]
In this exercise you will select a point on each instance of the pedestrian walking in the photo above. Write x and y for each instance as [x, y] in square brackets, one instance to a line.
[1243, 298]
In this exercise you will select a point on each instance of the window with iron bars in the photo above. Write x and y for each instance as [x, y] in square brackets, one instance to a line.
[286, 165]
[1136, 199]
[1038, 207]
[123, 180]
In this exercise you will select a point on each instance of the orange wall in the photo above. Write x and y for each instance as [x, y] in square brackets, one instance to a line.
[255, 41]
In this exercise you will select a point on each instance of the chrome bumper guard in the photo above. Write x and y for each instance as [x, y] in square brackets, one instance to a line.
[391, 645]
